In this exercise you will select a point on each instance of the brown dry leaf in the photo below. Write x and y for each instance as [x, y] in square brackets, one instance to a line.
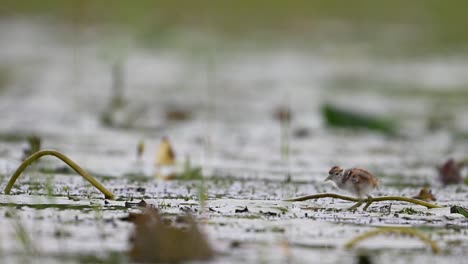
[165, 154]
[155, 241]
[450, 172]
[425, 194]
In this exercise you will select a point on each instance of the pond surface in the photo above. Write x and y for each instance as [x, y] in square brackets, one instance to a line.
[59, 87]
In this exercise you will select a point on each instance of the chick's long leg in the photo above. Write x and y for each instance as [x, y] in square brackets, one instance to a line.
[369, 201]
[359, 203]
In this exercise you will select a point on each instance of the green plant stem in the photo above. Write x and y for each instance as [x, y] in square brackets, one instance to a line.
[400, 230]
[369, 202]
[108, 194]
[322, 195]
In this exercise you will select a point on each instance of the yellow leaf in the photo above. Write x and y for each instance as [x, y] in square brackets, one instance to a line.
[165, 154]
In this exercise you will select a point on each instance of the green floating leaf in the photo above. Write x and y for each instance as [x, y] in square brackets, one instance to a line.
[459, 210]
[337, 117]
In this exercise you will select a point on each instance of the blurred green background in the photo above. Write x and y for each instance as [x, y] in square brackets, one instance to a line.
[388, 27]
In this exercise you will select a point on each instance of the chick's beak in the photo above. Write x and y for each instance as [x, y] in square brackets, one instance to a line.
[328, 178]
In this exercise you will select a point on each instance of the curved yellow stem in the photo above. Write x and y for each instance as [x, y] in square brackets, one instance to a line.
[403, 199]
[108, 194]
[401, 230]
[322, 195]
[368, 200]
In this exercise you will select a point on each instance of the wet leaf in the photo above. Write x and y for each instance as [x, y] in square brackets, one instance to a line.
[156, 241]
[459, 210]
[425, 194]
[450, 172]
[337, 117]
[165, 154]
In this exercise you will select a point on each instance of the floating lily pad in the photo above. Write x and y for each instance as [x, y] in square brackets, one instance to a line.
[338, 117]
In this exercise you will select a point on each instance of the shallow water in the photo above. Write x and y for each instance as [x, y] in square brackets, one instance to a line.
[59, 89]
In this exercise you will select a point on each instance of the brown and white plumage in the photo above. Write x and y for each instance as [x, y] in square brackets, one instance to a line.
[357, 181]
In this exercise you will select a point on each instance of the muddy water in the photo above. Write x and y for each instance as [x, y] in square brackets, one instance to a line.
[59, 87]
